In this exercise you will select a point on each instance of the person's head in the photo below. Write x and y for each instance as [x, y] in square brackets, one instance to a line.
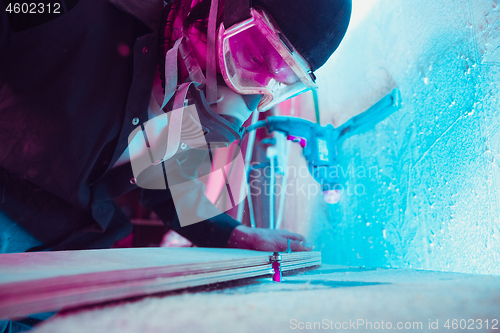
[269, 59]
[314, 27]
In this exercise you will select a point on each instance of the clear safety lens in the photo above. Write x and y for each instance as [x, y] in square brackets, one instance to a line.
[254, 59]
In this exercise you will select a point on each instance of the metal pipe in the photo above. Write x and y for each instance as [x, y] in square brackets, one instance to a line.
[271, 190]
[244, 186]
[283, 186]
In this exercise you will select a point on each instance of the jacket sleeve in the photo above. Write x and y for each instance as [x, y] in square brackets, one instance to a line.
[214, 228]
[212, 232]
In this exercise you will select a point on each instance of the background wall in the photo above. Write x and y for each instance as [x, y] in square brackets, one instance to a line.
[431, 199]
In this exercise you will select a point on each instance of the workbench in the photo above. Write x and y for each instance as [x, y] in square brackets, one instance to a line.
[331, 298]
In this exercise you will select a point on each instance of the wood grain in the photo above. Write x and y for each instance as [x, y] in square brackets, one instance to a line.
[50, 281]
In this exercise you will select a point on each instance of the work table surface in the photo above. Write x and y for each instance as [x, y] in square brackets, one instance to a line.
[335, 298]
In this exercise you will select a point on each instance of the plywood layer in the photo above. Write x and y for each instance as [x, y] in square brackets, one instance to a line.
[48, 281]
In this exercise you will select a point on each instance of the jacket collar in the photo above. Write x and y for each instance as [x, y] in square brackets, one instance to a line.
[148, 11]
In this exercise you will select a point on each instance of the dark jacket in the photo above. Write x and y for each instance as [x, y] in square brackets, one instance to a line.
[69, 91]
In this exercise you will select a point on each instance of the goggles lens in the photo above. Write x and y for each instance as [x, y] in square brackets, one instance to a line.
[255, 59]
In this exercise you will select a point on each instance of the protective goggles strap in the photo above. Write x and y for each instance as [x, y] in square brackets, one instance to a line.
[236, 11]
[175, 122]
[211, 88]
[171, 74]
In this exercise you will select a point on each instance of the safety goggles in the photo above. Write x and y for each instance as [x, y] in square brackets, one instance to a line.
[256, 58]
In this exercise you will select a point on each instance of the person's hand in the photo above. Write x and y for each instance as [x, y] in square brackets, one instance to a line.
[260, 239]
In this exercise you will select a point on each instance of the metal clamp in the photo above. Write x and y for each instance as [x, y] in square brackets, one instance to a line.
[275, 261]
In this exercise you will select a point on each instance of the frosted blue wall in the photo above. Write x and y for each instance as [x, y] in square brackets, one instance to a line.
[432, 199]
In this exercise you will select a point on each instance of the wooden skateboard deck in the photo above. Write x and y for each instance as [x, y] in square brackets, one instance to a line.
[49, 281]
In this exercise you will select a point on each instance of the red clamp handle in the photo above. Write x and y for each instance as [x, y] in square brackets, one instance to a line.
[302, 141]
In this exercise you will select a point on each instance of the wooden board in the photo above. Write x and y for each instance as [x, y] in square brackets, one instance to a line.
[49, 281]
